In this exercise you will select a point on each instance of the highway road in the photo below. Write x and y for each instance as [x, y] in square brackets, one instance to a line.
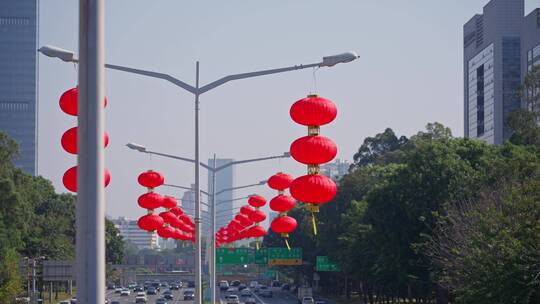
[151, 299]
[279, 297]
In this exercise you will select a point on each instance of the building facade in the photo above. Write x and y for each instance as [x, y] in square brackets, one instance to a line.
[131, 232]
[224, 180]
[18, 77]
[500, 46]
[336, 169]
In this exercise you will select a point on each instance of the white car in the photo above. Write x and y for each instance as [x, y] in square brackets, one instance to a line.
[232, 289]
[223, 285]
[118, 290]
[125, 292]
[140, 299]
[232, 299]
[308, 300]
[253, 284]
[141, 294]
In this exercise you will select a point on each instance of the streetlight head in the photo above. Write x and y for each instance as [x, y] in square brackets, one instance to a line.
[56, 52]
[137, 147]
[263, 182]
[330, 61]
[287, 154]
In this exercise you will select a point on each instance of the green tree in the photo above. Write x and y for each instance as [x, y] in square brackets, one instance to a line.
[379, 149]
[10, 280]
[114, 244]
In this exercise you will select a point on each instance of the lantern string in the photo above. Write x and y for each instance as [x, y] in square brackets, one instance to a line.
[313, 222]
[314, 80]
[287, 243]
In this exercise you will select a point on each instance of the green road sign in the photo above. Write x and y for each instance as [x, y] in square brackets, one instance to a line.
[261, 256]
[270, 274]
[284, 256]
[233, 256]
[323, 264]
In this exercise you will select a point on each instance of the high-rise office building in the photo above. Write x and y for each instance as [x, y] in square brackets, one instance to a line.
[530, 42]
[131, 232]
[224, 180]
[18, 77]
[336, 169]
[500, 47]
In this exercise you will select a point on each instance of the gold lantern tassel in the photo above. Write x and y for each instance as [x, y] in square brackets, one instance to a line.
[313, 222]
[257, 244]
[287, 243]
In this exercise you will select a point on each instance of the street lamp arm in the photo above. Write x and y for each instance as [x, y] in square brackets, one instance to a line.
[284, 155]
[239, 187]
[228, 78]
[163, 76]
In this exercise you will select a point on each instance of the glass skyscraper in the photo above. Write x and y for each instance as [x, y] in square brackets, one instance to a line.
[224, 180]
[499, 49]
[18, 77]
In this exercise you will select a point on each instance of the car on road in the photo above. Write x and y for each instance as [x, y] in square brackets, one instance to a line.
[151, 290]
[232, 299]
[111, 286]
[286, 287]
[161, 301]
[174, 286]
[125, 292]
[138, 288]
[189, 295]
[245, 292]
[250, 301]
[191, 284]
[115, 302]
[320, 302]
[308, 300]
[117, 290]
[232, 289]
[242, 286]
[266, 293]
[168, 295]
[235, 283]
[132, 285]
[141, 299]
[223, 285]
[253, 284]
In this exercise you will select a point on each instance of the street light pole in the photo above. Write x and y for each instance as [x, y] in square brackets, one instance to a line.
[213, 275]
[198, 249]
[90, 210]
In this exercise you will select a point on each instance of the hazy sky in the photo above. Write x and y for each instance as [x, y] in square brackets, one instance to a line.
[410, 73]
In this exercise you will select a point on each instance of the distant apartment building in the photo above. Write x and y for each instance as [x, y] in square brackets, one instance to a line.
[336, 169]
[18, 77]
[131, 232]
[498, 50]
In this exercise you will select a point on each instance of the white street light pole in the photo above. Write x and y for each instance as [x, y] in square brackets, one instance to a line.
[69, 56]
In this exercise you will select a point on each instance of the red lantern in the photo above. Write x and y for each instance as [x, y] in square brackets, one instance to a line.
[166, 232]
[280, 181]
[151, 179]
[257, 231]
[313, 111]
[313, 189]
[150, 200]
[257, 216]
[69, 102]
[69, 140]
[186, 219]
[246, 210]
[244, 220]
[177, 211]
[256, 201]
[312, 150]
[168, 217]
[236, 225]
[282, 203]
[150, 222]
[70, 179]
[283, 224]
[168, 202]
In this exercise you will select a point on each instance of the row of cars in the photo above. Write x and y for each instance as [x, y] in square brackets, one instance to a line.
[254, 286]
[154, 288]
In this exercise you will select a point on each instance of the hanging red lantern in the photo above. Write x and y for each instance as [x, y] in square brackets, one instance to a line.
[257, 216]
[151, 179]
[313, 111]
[168, 202]
[280, 181]
[177, 211]
[282, 203]
[257, 231]
[314, 189]
[150, 200]
[69, 102]
[70, 179]
[168, 217]
[166, 232]
[69, 140]
[186, 219]
[256, 201]
[150, 222]
[246, 210]
[284, 225]
[244, 220]
[313, 150]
